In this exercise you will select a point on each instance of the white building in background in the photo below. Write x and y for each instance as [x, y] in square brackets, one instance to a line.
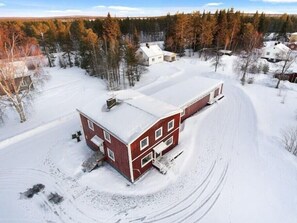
[169, 56]
[150, 54]
[276, 52]
[293, 37]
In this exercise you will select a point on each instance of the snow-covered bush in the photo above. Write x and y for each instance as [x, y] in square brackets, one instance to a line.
[250, 80]
[265, 68]
[289, 139]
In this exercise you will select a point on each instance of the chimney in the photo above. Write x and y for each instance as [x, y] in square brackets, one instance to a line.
[111, 102]
[147, 45]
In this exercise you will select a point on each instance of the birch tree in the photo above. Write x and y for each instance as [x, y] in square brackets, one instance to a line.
[288, 60]
[251, 41]
[15, 49]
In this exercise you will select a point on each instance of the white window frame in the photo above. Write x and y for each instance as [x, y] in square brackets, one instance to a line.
[106, 136]
[158, 137]
[90, 125]
[111, 154]
[168, 128]
[151, 158]
[147, 143]
[171, 138]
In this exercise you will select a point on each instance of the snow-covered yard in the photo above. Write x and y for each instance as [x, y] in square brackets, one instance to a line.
[233, 169]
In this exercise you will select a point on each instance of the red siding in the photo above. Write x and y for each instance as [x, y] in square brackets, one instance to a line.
[138, 154]
[136, 164]
[293, 77]
[192, 109]
[135, 146]
[120, 150]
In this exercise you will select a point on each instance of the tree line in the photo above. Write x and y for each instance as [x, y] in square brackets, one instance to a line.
[106, 47]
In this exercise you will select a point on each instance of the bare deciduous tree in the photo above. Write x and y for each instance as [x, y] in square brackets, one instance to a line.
[15, 83]
[251, 41]
[288, 60]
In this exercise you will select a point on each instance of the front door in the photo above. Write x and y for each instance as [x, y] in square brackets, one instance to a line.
[157, 155]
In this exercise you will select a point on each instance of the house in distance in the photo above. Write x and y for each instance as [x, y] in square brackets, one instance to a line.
[276, 52]
[136, 131]
[17, 78]
[150, 54]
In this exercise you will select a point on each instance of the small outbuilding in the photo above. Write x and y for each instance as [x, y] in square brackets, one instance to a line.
[292, 46]
[293, 37]
[225, 52]
[291, 77]
[150, 54]
[169, 56]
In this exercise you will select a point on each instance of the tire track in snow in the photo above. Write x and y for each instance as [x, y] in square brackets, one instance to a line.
[228, 118]
[8, 177]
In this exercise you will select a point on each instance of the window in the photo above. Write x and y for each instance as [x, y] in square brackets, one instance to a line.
[110, 154]
[91, 125]
[106, 136]
[145, 160]
[144, 143]
[153, 59]
[158, 133]
[24, 83]
[268, 53]
[169, 141]
[170, 125]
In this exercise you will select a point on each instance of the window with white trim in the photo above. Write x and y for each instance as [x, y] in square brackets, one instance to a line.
[169, 141]
[110, 154]
[158, 133]
[106, 136]
[145, 160]
[90, 125]
[144, 143]
[170, 125]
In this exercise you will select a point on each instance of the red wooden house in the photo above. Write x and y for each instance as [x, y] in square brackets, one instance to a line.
[132, 133]
[138, 130]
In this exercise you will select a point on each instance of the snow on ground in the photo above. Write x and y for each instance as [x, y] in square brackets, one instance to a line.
[233, 168]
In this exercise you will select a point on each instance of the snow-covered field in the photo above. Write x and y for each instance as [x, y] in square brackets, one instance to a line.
[233, 169]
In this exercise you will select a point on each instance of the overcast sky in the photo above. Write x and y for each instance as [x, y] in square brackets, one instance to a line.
[37, 8]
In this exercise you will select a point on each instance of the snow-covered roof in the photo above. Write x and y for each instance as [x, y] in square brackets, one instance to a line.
[17, 68]
[151, 50]
[278, 46]
[133, 115]
[167, 53]
[187, 91]
[225, 51]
